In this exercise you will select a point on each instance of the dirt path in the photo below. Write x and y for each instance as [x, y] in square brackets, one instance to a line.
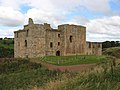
[81, 67]
[117, 60]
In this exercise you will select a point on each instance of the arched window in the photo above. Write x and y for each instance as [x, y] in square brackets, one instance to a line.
[58, 53]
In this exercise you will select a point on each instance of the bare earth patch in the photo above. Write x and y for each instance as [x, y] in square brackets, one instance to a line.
[82, 67]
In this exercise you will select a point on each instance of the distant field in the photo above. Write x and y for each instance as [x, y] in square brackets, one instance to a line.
[6, 48]
[114, 51]
[73, 60]
[9, 44]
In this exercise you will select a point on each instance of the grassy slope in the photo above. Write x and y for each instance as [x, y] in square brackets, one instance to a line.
[73, 60]
[104, 77]
[114, 51]
[28, 75]
[23, 74]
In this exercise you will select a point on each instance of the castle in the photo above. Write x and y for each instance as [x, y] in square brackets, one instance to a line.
[37, 40]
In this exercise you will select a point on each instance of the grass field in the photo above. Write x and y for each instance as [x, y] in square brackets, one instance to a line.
[25, 75]
[114, 51]
[73, 60]
[9, 44]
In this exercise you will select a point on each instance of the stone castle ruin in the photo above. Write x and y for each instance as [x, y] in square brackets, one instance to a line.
[37, 40]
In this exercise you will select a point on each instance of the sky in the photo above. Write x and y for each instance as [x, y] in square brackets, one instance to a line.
[100, 17]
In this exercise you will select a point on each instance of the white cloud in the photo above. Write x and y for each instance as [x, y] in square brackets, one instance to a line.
[104, 28]
[97, 5]
[58, 11]
[10, 17]
[7, 32]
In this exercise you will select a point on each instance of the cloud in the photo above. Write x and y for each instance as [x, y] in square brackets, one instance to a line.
[63, 11]
[97, 5]
[10, 17]
[7, 33]
[104, 28]
[40, 16]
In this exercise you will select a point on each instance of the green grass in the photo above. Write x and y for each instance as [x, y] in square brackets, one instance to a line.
[73, 60]
[105, 76]
[23, 74]
[7, 44]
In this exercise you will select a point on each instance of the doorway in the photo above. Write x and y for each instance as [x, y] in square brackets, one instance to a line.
[58, 53]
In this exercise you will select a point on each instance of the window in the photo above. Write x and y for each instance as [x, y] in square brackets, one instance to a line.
[70, 38]
[51, 44]
[58, 43]
[27, 33]
[59, 35]
[89, 45]
[25, 43]
[98, 45]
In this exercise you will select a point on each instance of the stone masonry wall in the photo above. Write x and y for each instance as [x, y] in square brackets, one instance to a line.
[37, 40]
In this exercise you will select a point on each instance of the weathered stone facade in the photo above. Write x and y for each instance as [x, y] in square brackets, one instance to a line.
[37, 40]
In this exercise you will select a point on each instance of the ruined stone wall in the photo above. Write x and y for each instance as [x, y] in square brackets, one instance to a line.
[53, 42]
[74, 39]
[37, 40]
[34, 37]
[93, 48]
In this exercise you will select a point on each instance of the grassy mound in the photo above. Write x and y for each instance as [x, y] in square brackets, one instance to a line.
[114, 51]
[22, 74]
[73, 60]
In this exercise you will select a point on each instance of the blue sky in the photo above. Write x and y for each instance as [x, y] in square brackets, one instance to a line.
[101, 17]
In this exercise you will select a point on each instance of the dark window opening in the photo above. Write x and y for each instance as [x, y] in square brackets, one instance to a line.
[70, 38]
[58, 43]
[89, 45]
[25, 43]
[59, 35]
[27, 33]
[51, 44]
[58, 53]
[98, 45]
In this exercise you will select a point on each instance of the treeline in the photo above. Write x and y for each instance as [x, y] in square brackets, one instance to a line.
[108, 44]
[6, 52]
[6, 48]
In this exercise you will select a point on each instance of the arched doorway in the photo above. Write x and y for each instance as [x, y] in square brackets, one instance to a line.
[58, 53]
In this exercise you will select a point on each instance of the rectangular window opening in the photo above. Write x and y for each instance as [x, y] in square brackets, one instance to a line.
[51, 44]
[58, 43]
[25, 43]
[71, 39]
[59, 35]
[27, 33]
